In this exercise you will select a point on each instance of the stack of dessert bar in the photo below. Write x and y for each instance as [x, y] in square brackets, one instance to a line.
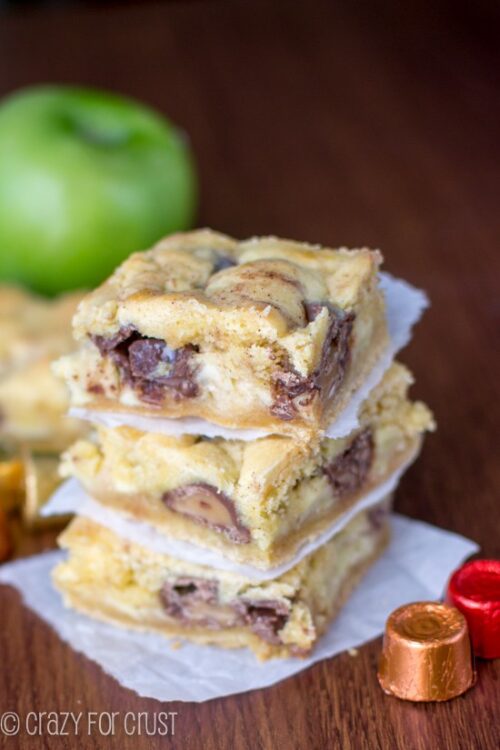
[212, 369]
[34, 427]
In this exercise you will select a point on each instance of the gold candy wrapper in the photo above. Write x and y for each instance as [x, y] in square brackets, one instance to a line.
[40, 480]
[26, 483]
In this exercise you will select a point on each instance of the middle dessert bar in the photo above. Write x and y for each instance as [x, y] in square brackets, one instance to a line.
[255, 502]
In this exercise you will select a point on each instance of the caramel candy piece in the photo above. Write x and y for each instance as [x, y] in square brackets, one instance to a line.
[195, 601]
[426, 653]
[5, 537]
[205, 505]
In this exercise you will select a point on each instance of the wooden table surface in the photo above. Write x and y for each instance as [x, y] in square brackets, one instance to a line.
[342, 125]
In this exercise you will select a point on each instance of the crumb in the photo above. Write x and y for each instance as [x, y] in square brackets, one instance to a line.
[175, 645]
[353, 652]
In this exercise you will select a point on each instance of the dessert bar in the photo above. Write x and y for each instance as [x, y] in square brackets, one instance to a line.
[266, 333]
[255, 502]
[114, 580]
[33, 402]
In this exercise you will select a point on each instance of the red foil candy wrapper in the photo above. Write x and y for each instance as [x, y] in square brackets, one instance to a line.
[474, 589]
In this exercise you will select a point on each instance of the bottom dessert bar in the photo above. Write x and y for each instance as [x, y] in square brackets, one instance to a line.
[112, 579]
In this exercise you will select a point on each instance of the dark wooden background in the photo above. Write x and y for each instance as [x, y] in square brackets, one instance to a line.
[342, 123]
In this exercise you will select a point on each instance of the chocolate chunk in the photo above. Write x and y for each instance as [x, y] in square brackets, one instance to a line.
[116, 347]
[265, 617]
[377, 516]
[336, 353]
[181, 377]
[151, 391]
[147, 355]
[287, 387]
[149, 365]
[207, 506]
[222, 262]
[348, 472]
[182, 592]
[96, 388]
[106, 344]
[195, 601]
[292, 390]
[313, 309]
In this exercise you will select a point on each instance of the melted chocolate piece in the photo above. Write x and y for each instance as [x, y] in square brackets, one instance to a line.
[336, 353]
[181, 376]
[96, 388]
[222, 262]
[191, 600]
[313, 309]
[289, 385]
[145, 356]
[195, 601]
[148, 365]
[265, 617]
[107, 344]
[205, 505]
[377, 516]
[347, 473]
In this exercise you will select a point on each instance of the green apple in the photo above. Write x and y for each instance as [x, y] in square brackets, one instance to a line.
[86, 177]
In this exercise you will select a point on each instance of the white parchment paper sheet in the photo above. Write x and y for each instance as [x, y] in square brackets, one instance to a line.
[405, 305]
[70, 497]
[416, 566]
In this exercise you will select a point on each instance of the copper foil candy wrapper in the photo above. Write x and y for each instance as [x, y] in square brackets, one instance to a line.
[426, 654]
[474, 589]
[11, 483]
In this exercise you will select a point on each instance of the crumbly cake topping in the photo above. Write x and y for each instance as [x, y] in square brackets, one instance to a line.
[273, 280]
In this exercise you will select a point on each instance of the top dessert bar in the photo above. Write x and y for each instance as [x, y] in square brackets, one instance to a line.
[265, 333]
